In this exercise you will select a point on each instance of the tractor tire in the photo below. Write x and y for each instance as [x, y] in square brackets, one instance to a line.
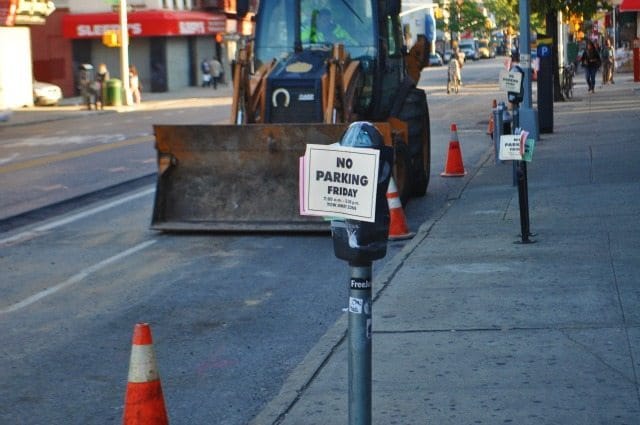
[415, 111]
[402, 170]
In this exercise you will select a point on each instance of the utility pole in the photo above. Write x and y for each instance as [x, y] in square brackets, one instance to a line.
[124, 53]
[528, 116]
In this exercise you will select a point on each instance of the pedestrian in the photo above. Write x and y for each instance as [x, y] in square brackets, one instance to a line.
[591, 62]
[216, 72]
[608, 62]
[87, 84]
[454, 74]
[101, 78]
[205, 67]
[134, 85]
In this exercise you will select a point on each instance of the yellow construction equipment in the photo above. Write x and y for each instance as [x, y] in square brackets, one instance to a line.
[300, 80]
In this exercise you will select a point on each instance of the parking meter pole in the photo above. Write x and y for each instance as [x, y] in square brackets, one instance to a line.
[523, 202]
[497, 129]
[360, 243]
[520, 179]
[360, 345]
[515, 127]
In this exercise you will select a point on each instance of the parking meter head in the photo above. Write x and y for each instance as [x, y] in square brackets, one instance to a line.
[360, 242]
[362, 134]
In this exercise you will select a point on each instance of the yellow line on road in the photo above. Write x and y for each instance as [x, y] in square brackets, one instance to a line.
[46, 160]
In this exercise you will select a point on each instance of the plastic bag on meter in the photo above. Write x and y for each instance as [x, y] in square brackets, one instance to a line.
[359, 241]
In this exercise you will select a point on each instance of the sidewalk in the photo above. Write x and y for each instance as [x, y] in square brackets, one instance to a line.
[72, 107]
[473, 328]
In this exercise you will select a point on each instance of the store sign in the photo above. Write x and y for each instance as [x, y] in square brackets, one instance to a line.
[84, 31]
[144, 24]
[8, 12]
[25, 12]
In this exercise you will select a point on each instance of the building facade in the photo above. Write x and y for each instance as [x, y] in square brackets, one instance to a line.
[167, 40]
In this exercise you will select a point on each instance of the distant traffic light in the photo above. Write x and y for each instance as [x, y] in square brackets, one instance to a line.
[111, 38]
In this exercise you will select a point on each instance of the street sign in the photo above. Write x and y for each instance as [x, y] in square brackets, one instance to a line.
[510, 148]
[339, 182]
[510, 81]
[516, 147]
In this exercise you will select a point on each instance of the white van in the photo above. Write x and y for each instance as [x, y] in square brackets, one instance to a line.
[470, 48]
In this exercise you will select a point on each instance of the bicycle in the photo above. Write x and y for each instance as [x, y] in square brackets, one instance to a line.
[568, 71]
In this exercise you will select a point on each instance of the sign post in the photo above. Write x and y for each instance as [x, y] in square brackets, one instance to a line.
[124, 52]
[518, 147]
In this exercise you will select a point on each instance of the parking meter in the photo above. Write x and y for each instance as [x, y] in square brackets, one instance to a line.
[517, 97]
[360, 242]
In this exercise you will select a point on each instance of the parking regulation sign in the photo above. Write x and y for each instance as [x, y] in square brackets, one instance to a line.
[336, 181]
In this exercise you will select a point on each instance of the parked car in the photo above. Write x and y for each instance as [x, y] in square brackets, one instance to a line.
[470, 48]
[435, 59]
[486, 49]
[46, 94]
[446, 57]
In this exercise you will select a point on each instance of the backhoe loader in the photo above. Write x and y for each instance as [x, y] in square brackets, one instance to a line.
[297, 81]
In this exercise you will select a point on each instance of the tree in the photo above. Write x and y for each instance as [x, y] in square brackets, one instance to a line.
[505, 12]
[549, 10]
[461, 16]
[585, 7]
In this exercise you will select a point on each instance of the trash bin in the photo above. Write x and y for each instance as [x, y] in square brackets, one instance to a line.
[114, 92]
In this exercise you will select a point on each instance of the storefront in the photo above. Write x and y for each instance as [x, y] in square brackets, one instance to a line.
[166, 46]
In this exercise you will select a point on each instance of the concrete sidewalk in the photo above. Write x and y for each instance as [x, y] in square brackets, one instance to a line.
[72, 107]
[471, 327]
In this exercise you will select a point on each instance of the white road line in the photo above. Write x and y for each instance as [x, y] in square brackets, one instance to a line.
[76, 278]
[28, 235]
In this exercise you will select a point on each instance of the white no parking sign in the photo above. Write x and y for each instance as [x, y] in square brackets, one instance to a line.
[336, 181]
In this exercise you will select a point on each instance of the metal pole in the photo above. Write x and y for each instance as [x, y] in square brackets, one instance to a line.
[498, 123]
[523, 202]
[528, 116]
[360, 344]
[520, 179]
[615, 38]
[525, 51]
[515, 125]
[124, 53]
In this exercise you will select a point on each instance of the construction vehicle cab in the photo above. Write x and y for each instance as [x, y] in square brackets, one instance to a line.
[311, 68]
[298, 34]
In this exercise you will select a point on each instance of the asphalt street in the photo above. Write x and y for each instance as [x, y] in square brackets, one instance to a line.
[470, 326]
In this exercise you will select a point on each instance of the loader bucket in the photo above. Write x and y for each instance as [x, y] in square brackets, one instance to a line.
[234, 177]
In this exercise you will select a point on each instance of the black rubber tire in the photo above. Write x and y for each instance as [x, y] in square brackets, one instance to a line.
[402, 171]
[415, 111]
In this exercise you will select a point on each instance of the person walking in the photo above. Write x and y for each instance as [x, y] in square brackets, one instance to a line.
[134, 84]
[216, 72]
[205, 67]
[454, 74]
[608, 62]
[101, 80]
[591, 62]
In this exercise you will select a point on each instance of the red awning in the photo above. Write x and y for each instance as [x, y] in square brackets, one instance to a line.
[630, 6]
[144, 23]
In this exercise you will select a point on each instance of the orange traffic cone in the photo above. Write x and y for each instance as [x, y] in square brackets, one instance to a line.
[144, 403]
[398, 228]
[492, 124]
[454, 166]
